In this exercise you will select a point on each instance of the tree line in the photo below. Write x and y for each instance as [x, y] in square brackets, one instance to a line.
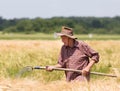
[81, 25]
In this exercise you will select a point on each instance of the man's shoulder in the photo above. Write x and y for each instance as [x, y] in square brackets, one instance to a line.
[80, 42]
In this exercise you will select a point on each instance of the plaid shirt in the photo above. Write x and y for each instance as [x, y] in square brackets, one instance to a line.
[76, 57]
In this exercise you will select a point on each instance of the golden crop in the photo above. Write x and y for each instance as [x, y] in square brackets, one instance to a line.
[16, 54]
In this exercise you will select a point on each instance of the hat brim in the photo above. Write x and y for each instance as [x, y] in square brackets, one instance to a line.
[61, 34]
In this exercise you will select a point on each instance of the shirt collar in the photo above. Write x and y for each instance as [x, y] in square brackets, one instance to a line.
[75, 45]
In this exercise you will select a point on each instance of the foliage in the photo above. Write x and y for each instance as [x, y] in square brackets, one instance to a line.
[81, 25]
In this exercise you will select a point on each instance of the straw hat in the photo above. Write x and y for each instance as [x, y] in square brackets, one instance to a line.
[66, 31]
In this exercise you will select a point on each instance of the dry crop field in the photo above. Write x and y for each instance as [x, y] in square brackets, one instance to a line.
[16, 54]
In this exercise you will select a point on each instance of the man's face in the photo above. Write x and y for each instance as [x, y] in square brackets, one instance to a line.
[65, 40]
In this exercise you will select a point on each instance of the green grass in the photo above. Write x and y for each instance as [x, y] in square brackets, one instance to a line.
[41, 36]
[38, 36]
[98, 37]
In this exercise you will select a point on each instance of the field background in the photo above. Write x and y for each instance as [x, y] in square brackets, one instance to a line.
[42, 36]
[20, 50]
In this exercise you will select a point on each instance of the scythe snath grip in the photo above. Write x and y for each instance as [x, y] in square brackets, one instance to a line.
[73, 70]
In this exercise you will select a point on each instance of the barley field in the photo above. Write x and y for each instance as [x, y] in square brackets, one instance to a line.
[17, 54]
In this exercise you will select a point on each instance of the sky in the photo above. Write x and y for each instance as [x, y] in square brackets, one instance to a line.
[10, 9]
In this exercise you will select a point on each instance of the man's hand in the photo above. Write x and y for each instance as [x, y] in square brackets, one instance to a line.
[85, 72]
[50, 68]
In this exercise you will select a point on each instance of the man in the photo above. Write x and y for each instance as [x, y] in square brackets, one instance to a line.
[75, 55]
